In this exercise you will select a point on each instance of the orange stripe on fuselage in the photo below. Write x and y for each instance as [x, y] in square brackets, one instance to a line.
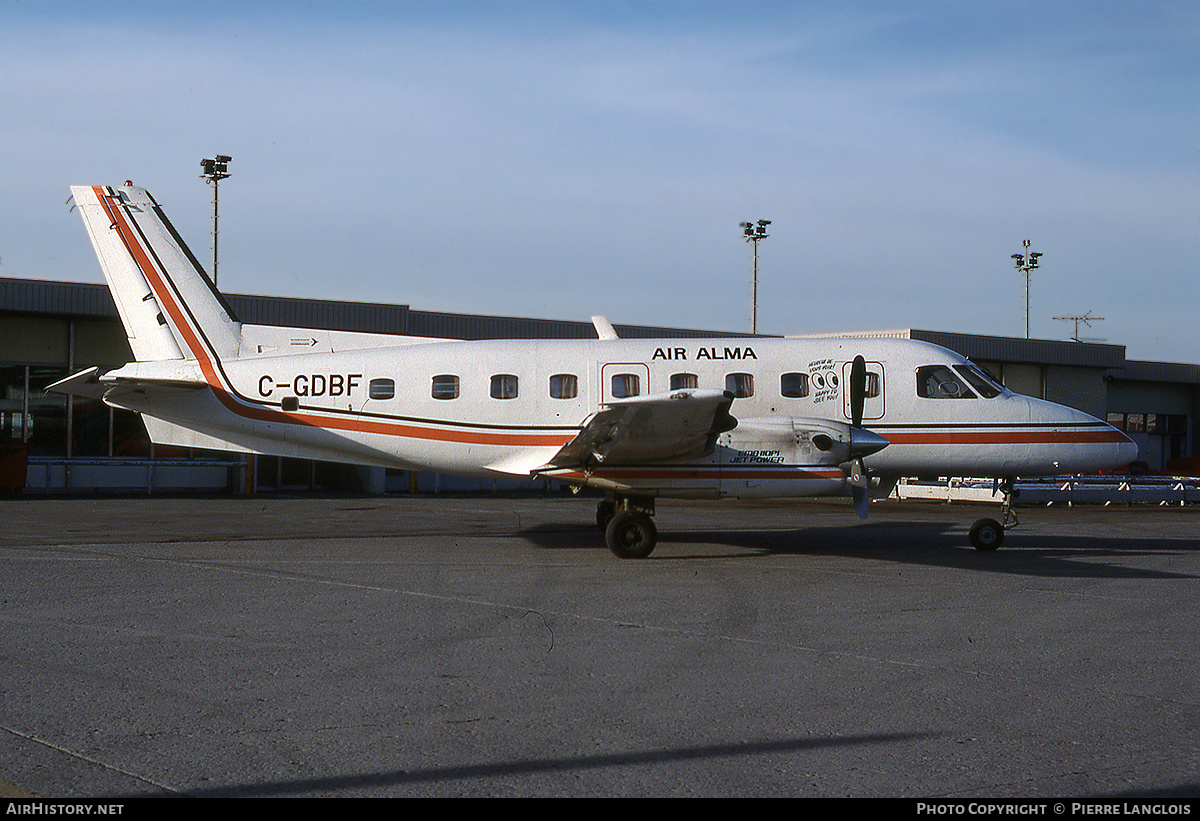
[994, 437]
[782, 473]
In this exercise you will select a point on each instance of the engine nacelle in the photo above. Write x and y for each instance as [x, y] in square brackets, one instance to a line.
[800, 441]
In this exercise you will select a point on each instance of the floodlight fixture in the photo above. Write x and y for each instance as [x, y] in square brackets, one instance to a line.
[1025, 263]
[213, 171]
[753, 232]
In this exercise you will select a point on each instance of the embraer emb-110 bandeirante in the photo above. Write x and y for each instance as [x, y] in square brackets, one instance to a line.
[640, 419]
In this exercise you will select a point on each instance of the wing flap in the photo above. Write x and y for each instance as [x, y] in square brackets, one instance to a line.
[524, 462]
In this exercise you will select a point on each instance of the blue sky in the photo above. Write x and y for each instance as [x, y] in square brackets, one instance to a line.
[566, 159]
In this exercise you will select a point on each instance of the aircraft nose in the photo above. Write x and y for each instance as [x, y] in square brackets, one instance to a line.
[1127, 450]
[1118, 449]
[1098, 445]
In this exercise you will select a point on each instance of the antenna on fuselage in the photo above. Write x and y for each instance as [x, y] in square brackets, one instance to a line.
[604, 328]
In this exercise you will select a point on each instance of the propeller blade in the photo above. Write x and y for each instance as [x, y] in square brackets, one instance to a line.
[858, 390]
[857, 479]
[862, 502]
[857, 476]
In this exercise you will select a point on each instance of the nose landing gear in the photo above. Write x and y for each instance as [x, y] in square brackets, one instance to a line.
[988, 534]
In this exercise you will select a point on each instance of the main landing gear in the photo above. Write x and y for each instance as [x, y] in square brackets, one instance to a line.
[988, 534]
[627, 526]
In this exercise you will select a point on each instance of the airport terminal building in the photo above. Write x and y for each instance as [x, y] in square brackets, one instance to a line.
[49, 443]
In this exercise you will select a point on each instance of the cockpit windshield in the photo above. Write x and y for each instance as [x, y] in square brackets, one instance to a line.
[956, 382]
[980, 381]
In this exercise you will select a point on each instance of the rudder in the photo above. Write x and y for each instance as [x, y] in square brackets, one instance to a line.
[167, 304]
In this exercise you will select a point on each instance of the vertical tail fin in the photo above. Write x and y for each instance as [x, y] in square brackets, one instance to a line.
[168, 306]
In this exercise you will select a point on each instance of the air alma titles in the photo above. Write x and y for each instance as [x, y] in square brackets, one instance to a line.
[681, 354]
[317, 384]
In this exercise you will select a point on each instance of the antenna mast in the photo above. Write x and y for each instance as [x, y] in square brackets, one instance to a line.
[1087, 319]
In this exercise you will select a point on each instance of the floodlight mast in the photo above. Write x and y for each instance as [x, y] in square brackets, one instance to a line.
[213, 171]
[753, 232]
[1025, 263]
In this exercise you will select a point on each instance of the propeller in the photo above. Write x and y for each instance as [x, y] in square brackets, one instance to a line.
[862, 442]
[858, 390]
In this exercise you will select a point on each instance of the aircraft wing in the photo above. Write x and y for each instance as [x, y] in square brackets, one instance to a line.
[674, 425]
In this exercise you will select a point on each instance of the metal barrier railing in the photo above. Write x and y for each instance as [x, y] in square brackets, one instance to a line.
[1070, 490]
[58, 475]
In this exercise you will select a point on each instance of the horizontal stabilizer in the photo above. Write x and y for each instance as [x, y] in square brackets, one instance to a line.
[95, 385]
[85, 383]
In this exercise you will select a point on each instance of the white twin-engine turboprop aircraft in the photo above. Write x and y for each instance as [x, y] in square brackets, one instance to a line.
[637, 418]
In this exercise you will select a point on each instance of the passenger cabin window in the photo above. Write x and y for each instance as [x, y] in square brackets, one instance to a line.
[794, 385]
[872, 390]
[445, 386]
[381, 389]
[504, 386]
[741, 385]
[939, 382]
[683, 381]
[625, 385]
[564, 386]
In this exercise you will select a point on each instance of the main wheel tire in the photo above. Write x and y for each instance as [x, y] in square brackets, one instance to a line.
[604, 514]
[987, 535]
[631, 535]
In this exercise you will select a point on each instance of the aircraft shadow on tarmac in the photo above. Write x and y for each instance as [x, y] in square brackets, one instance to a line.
[328, 785]
[934, 544]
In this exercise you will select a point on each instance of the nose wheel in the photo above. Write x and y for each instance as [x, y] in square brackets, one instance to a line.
[988, 534]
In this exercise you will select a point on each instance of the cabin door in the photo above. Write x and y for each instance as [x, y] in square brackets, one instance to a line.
[873, 404]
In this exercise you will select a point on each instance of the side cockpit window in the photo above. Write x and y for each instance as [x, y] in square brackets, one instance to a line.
[939, 382]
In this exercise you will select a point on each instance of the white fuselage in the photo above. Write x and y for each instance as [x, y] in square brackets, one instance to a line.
[205, 380]
[435, 408]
